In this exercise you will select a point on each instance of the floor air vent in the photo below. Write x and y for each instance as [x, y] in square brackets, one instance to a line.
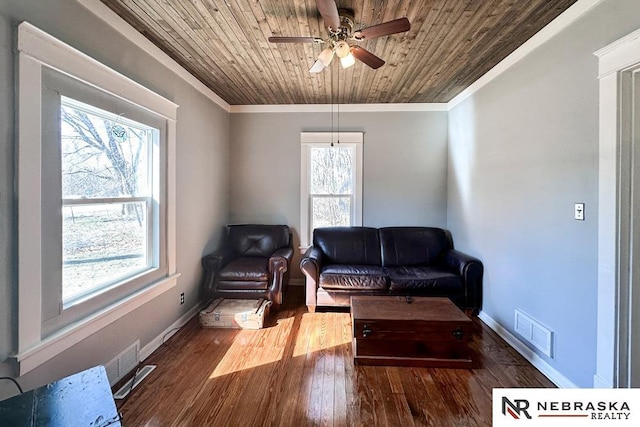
[134, 381]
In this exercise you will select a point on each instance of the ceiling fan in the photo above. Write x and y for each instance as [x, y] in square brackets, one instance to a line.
[340, 27]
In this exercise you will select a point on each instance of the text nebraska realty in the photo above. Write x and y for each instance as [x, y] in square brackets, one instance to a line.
[594, 410]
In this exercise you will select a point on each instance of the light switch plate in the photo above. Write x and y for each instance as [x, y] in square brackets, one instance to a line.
[579, 211]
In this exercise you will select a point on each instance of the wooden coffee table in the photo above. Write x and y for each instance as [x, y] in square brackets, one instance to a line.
[414, 331]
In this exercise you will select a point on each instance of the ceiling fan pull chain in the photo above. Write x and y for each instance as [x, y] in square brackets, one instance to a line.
[337, 104]
[338, 94]
[332, 109]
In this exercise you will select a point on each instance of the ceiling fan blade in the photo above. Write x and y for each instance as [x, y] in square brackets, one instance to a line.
[295, 40]
[329, 12]
[386, 28]
[367, 57]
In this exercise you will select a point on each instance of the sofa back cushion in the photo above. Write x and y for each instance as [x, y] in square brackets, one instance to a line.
[348, 245]
[413, 246]
[256, 240]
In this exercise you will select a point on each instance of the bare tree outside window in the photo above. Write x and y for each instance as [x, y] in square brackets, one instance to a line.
[331, 186]
[105, 190]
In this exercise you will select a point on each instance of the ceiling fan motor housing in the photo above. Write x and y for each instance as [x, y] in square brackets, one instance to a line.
[346, 26]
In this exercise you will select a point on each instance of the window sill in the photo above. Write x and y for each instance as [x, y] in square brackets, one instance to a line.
[303, 249]
[73, 334]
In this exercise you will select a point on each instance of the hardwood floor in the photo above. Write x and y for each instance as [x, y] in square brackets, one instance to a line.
[299, 371]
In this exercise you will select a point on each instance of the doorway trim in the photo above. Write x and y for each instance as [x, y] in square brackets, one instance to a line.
[617, 63]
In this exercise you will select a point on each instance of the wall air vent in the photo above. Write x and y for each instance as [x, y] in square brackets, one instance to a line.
[123, 363]
[534, 332]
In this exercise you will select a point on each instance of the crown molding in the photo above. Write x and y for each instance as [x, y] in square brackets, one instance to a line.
[120, 25]
[344, 108]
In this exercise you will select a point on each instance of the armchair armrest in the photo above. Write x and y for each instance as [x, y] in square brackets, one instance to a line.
[278, 267]
[286, 253]
[212, 264]
[311, 264]
[470, 270]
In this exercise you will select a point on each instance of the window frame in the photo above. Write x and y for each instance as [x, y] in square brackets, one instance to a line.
[36, 51]
[309, 140]
[154, 194]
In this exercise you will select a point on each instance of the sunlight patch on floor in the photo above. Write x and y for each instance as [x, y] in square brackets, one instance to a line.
[253, 348]
[330, 333]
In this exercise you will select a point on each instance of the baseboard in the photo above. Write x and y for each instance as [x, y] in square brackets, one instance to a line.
[148, 349]
[539, 363]
[296, 282]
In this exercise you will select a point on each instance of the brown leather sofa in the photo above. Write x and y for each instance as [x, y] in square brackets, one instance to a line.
[253, 263]
[418, 261]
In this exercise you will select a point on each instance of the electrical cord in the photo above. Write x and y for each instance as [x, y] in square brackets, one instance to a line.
[13, 381]
[133, 380]
[114, 420]
[128, 395]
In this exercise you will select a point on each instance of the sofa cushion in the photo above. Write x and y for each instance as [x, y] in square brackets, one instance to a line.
[423, 279]
[340, 276]
[256, 240]
[252, 272]
[413, 246]
[348, 245]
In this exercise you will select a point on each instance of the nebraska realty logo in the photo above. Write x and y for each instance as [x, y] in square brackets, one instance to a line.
[566, 407]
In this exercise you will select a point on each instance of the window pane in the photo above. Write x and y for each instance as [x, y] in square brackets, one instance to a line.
[331, 170]
[330, 211]
[103, 155]
[101, 244]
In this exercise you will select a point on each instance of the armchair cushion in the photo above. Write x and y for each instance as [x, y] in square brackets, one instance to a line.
[254, 240]
[246, 268]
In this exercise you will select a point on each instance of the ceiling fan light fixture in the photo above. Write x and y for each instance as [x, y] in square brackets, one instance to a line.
[342, 49]
[317, 67]
[348, 61]
[326, 56]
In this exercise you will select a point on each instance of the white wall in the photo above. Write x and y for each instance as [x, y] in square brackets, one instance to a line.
[523, 150]
[405, 167]
[202, 182]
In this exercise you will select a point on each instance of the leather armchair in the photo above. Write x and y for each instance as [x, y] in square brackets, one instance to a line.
[253, 263]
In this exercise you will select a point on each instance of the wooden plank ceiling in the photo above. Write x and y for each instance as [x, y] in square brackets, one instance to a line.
[224, 44]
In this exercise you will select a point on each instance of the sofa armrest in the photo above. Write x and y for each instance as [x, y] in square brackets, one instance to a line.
[470, 270]
[311, 264]
[212, 264]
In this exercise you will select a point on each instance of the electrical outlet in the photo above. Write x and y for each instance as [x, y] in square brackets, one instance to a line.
[182, 298]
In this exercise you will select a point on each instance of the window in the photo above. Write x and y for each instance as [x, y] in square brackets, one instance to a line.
[107, 177]
[96, 219]
[331, 181]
